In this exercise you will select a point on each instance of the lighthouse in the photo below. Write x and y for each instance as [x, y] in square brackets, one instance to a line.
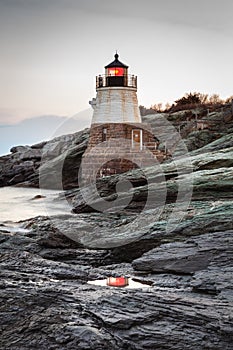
[118, 138]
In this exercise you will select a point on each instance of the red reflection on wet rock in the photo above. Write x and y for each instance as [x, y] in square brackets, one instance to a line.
[117, 281]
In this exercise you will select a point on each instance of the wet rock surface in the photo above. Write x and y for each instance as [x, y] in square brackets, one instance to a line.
[47, 303]
[183, 252]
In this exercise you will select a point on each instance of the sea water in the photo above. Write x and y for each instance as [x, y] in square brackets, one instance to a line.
[20, 203]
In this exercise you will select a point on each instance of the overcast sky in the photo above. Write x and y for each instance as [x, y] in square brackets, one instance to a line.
[51, 51]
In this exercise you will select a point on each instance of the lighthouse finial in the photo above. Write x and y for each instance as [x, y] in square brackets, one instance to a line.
[116, 55]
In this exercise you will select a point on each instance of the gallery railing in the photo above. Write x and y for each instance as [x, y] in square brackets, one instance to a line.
[114, 80]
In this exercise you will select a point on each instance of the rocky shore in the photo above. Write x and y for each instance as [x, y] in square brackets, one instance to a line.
[24, 164]
[183, 253]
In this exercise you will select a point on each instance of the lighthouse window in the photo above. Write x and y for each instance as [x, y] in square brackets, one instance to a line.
[104, 134]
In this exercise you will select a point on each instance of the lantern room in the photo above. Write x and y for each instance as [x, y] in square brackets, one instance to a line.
[116, 74]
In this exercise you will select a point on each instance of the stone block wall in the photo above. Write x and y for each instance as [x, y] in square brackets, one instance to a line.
[119, 131]
[116, 155]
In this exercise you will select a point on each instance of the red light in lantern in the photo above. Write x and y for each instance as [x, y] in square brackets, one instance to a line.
[117, 281]
[116, 71]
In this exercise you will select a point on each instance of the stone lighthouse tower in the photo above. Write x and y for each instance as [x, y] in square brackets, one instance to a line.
[118, 138]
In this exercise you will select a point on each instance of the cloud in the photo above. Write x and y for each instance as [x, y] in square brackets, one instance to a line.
[207, 13]
[211, 14]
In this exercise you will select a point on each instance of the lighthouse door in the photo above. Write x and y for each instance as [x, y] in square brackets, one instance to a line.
[137, 139]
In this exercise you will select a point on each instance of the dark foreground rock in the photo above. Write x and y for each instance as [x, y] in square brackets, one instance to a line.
[46, 302]
[76, 316]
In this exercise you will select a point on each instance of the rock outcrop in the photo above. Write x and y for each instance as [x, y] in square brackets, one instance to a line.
[47, 303]
[21, 167]
[179, 243]
[25, 163]
[205, 172]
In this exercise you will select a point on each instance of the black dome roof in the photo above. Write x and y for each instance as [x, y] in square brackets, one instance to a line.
[116, 63]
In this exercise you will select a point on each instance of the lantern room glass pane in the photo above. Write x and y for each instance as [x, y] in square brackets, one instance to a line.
[116, 71]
